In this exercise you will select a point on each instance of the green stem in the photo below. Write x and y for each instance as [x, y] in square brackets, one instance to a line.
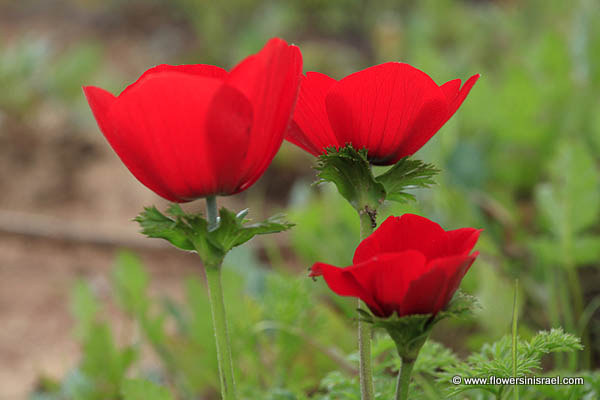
[364, 331]
[217, 307]
[515, 319]
[578, 307]
[554, 311]
[567, 312]
[211, 212]
[404, 379]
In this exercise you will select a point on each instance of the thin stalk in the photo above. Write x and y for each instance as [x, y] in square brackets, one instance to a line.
[364, 331]
[212, 212]
[554, 311]
[578, 308]
[515, 319]
[217, 308]
[404, 379]
[569, 319]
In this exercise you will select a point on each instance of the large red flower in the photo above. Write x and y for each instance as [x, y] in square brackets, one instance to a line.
[192, 131]
[390, 109]
[409, 265]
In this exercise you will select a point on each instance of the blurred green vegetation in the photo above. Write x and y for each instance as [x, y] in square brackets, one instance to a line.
[519, 159]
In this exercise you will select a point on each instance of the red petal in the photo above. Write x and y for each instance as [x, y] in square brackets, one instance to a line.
[408, 232]
[383, 106]
[426, 126]
[100, 101]
[270, 80]
[228, 126]
[342, 282]
[430, 119]
[461, 241]
[160, 133]
[387, 277]
[424, 293]
[451, 89]
[208, 71]
[310, 128]
[455, 268]
[456, 100]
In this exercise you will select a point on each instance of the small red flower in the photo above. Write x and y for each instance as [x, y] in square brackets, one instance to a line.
[409, 265]
[390, 109]
[192, 131]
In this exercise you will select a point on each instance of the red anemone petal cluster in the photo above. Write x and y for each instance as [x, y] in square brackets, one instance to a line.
[391, 109]
[192, 131]
[409, 265]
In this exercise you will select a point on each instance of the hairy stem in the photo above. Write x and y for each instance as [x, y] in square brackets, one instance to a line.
[404, 379]
[364, 330]
[515, 319]
[217, 307]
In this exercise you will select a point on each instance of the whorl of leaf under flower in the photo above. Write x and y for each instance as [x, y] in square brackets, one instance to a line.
[411, 331]
[190, 231]
[350, 170]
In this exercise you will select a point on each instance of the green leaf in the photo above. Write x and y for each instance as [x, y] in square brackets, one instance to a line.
[406, 174]
[586, 249]
[103, 361]
[85, 308]
[496, 359]
[190, 231]
[157, 225]
[131, 284]
[138, 389]
[570, 202]
[232, 232]
[351, 173]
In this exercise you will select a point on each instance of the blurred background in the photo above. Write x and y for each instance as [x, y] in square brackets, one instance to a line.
[86, 300]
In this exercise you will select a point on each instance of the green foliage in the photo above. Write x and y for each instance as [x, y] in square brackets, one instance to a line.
[191, 231]
[436, 366]
[496, 359]
[350, 170]
[104, 364]
[569, 204]
[406, 174]
[294, 340]
[155, 224]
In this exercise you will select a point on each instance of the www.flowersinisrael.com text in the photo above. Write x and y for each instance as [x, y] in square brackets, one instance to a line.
[519, 380]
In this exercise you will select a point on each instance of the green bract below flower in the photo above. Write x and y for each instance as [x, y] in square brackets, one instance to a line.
[349, 169]
[193, 233]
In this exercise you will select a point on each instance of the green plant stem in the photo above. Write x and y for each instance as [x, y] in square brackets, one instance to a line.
[515, 319]
[364, 331]
[404, 379]
[211, 212]
[578, 307]
[217, 307]
[567, 312]
[554, 311]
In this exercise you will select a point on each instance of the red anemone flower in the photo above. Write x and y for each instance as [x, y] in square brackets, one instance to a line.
[192, 131]
[409, 265]
[390, 109]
